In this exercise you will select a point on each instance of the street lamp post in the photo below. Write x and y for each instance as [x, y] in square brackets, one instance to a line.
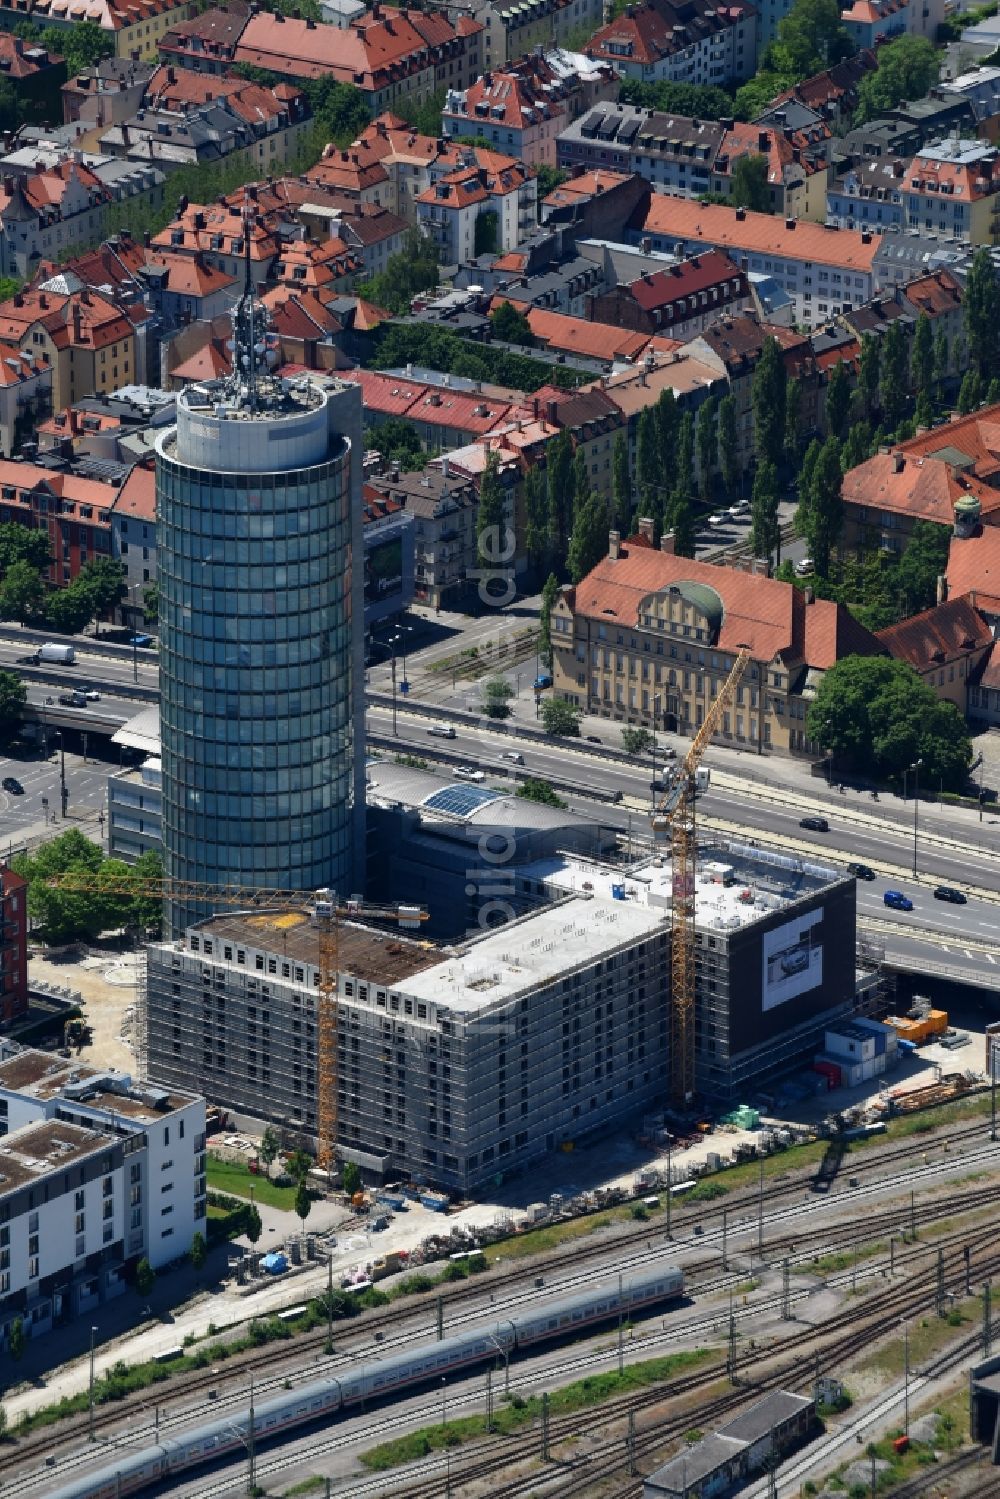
[63, 793]
[915, 767]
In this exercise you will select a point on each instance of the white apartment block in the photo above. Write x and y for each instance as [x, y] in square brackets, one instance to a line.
[95, 1174]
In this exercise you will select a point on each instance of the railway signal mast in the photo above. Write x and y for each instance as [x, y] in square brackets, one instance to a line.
[674, 817]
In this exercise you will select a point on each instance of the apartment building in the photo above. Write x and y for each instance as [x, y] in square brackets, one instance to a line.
[135, 812]
[692, 42]
[678, 302]
[871, 22]
[95, 1173]
[135, 27]
[13, 945]
[868, 196]
[731, 347]
[443, 505]
[390, 55]
[452, 1065]
[487, 206]
[522, 108]
[953, 189]
[824, 271]
[47, 211]
[513, 31]
[88, 343]
[948, 647]
[649, 638]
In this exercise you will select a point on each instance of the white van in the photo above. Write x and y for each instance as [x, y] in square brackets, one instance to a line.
[63, 655]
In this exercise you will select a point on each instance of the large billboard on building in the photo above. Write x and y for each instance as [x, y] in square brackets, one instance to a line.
[383, 570]
[792, 960]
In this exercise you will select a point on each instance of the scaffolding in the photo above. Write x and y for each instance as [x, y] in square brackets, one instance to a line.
[140, 1019]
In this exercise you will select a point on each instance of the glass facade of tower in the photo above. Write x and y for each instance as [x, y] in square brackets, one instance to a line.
[255, 672]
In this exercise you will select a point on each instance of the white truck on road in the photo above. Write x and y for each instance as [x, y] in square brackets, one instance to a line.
[60, 655]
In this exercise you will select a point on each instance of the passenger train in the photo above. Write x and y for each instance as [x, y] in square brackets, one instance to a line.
[322, 1398]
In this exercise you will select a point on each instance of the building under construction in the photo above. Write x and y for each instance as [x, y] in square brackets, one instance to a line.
[458, 1062]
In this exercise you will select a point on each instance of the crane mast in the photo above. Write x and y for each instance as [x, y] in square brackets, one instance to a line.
[675, 816]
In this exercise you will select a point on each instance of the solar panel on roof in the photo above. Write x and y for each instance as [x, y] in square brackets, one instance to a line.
[460, 801]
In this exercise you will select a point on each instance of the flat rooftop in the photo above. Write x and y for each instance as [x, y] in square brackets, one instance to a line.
[42, 1076]
[386, 956]
[534, 951]
[758, 883]
[31, 1152]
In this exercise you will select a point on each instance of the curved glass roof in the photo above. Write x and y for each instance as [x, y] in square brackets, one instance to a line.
[461, 800]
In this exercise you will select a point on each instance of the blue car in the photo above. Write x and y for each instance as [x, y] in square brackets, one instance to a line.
[140, 640]
[897, 900]
[542, 682]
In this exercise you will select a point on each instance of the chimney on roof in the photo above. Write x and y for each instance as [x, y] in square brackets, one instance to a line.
[552, 411]
[43, 301]
[614, 545]
[898, 463]
[763, 140]
[647, 528]
[789, 223]
[76, 322]
[866, 236]
[808, 596]
[18, 299]
[941, 591]
[741, 214]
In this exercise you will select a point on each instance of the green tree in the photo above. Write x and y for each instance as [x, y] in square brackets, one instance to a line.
[970, 393]
[151, 603]
[923, 411]
[748, 184]
[511, 326]
[491, 525]
[413, 270]
[536, 516]
[868, 373]
[589, 541]
[941, 363]
[339, 109]
[145, 1277]
[765, 532]
[581, 479]
[704, 102]
[269, 1147]
[559, 467]
[298, 1164]
[350, 1177]
[793, 423]
[922, 356]
[907, 69]
[648, 463]
[549, 178]
[981, 314]
[621, 485]
[893, 374]
[104, 580]
[729, 454]
[487, 233]
[533, 790]
[668, 420]
[878, 715]
[13, 696]
[767, 397]
[22, 593]
[145, 914]
[399, 441]
[561, 718]
[550, 592]
[69, 610]
[680, 516]
[83, 46]
[19, 544]
[707, 442]
[838, 400]
[858, 446]
[497, 693]
[753, 97]
[425, 114]
[17, 1340]
[924, 560]
[811, 37]
[66, 912]
[198, 1253]
[303, 1204]
[252, 1225]
[824, 516]
[636, 741]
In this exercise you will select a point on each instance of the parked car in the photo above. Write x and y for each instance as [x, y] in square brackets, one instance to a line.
[140, 640]
[719, 518]
[740, 508]
[861, 871]
[815, 824]
[468, 773]
[897, 900]
[804, 567]
[594, 739]
[13, 785]
[541, 682]
[949, 893]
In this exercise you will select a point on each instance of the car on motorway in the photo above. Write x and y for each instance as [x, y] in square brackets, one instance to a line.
[514, 756]
[73, 699]
[897, 900]
[91, 694]
[13, 785]
[140, 640]
[861, 871]
[815, 824]
[949, 893]
[468, 773]
[440, 732]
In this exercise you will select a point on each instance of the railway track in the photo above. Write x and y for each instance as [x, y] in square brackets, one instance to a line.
[850, 1335]
[229, 1383]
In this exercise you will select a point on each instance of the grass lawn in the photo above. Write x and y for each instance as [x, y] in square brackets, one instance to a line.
[927, 1335]
[510, 1415]
[236, 1179]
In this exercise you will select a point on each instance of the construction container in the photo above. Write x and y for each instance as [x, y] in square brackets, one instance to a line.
[919, 1030]
[829, 1070]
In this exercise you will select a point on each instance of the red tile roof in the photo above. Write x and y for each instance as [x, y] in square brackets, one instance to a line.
[21, 59]
[718, 225]
[974, 563]
[924, 488]
[137, 496]
[556, 330]
[935, 295]
[938, 635]
[369, 54]
[686, 278]
[771, 617]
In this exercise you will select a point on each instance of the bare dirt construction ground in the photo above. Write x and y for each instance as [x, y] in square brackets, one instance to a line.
[107, 982]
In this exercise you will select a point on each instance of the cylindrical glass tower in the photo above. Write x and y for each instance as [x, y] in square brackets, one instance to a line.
[256, 598]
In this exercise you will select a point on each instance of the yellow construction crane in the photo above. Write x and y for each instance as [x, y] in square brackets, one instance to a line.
[328, 912]
[675, 815]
